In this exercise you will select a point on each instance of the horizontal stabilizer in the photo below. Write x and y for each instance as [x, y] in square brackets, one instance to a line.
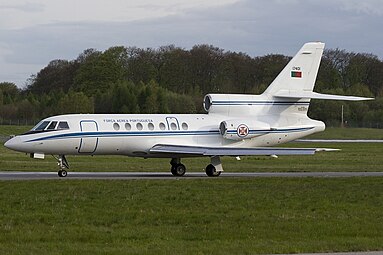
[315, 95]
[228, 151]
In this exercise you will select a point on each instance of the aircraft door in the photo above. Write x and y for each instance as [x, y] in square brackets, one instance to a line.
[173, 123]
[89, 140]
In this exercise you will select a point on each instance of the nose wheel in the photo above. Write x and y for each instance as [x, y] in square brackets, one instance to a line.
[62, 173]
[63, 164]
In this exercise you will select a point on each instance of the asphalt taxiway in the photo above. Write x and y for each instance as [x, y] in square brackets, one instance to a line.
[12, 175]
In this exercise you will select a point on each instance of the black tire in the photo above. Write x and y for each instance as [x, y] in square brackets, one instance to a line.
[178, 170]
[173, 170]
[211, 171]
[62, 173]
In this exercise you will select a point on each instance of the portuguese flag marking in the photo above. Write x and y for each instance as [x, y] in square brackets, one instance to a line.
[296, 74]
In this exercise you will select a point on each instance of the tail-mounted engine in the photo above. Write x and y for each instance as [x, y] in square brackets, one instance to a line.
[230, 104]
[238, 129]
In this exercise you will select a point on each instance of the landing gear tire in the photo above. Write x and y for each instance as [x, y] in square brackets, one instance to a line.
[178, 170]
[62, 173]
[211, 171]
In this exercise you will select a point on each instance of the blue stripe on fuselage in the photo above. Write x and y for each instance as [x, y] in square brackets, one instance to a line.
[152, 133]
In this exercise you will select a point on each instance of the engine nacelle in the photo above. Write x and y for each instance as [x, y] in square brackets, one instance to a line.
[230, 104]
[238, 129]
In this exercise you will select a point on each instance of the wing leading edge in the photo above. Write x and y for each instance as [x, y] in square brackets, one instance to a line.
[230, 151]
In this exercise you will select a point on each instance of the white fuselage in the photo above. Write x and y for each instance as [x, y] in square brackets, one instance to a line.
[136, 134]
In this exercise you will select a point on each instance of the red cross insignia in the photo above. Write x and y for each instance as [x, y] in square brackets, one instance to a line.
[242, 130]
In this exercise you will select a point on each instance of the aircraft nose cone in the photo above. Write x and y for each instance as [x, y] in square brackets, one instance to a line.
[12, 144]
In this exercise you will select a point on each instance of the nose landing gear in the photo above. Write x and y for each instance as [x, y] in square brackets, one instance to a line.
[63, 164]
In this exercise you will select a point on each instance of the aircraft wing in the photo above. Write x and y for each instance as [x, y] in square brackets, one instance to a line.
[230, 151]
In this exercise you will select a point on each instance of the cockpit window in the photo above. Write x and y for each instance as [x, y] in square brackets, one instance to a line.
[63, 125]
[52, 125]
[42, 126]
[48, 126]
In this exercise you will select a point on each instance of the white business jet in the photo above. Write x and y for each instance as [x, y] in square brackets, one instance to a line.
[235, 125]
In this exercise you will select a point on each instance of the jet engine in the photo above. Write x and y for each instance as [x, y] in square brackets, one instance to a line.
[239, 129]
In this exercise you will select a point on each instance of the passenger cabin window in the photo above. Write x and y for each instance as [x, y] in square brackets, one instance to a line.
[185, 126]
[173, 126]
[162, 126]
[151, 126]
[116, 126]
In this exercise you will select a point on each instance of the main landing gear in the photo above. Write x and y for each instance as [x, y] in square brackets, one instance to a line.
[177, 168]
[212, 170]
[63, 164]
[215, 168]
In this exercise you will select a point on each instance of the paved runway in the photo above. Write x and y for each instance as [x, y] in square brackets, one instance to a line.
[10, 175]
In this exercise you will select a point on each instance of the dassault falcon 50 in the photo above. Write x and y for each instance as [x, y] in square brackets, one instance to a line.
[234, 125]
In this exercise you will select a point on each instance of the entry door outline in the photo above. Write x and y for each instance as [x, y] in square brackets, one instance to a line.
[88, 144]
[170, 120]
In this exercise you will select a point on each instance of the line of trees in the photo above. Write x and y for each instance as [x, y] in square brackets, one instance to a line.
[173, 80]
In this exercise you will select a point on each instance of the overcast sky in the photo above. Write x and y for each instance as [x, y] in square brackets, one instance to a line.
[34, 32]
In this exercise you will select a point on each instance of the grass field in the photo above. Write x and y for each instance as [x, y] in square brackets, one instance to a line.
[184, 216]
[349, 133]
[196, 216]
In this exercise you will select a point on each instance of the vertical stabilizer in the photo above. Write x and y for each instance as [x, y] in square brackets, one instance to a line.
[300, 73]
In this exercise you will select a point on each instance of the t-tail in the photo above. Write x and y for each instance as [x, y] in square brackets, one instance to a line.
[296, 81]
[289, 94]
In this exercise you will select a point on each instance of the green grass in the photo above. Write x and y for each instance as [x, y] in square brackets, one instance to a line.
[6, 130]
[349, 133]
[184, 216]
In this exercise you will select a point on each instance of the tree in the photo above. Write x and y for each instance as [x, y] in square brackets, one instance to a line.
[205, 61]
[75, 102]
[1, 98]
[57, 75]
[268, 67]
[141, 65]
[10, 92]
[339, 60]
[328, 76]
[175, 73]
